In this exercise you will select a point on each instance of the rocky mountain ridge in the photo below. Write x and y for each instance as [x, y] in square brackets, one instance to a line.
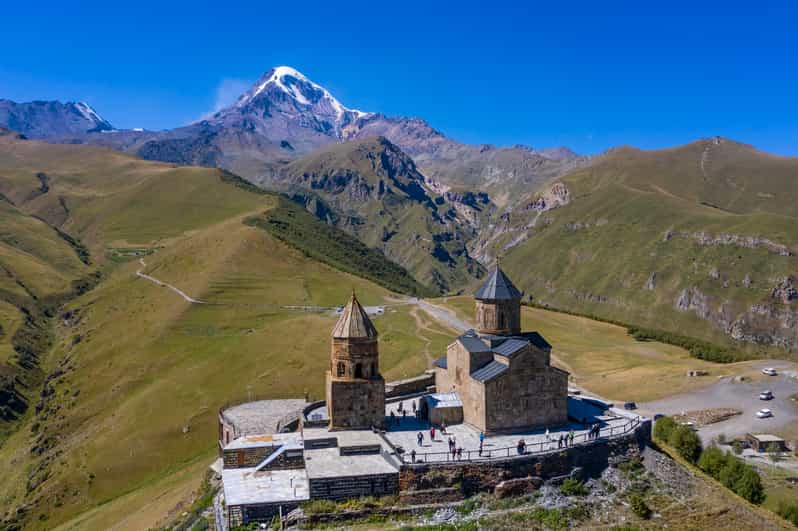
[51, 119]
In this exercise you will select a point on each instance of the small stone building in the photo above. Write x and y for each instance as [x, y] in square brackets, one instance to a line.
[503, 377]
[355, 387]
[761, 442]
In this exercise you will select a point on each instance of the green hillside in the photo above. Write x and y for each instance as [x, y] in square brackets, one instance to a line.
[128, 376]
[372, 190]
[648, 239]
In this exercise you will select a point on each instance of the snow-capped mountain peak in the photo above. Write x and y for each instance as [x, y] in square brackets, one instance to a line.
[303, 92]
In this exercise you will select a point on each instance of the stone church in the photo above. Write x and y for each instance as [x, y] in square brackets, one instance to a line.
[503, 376]
[355, 387]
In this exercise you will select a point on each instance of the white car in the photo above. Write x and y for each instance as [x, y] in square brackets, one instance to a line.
[770, 371]
[766, 395]
[764, 413]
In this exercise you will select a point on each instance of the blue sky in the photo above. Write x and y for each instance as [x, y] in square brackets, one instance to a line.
[587, 75]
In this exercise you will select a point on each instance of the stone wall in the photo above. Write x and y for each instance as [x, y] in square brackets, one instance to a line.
[499, 317]
[530, 393]
[417, 384]
[247, 457]
[355, 404]
[485, 476]
[341, 488]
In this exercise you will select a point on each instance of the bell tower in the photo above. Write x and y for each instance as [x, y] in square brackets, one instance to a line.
[355, 387]
[498, 305]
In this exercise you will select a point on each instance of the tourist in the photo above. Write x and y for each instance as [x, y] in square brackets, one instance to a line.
[520, 446]
[412, 456]
[432, 433]
[420, 438]
[559, 442]
[404, 413]
[443, 428]
[460, 453]
[571, 437]
[414, 407]
[481, 437]
[480, 448]
[393, 418]
[401, 408]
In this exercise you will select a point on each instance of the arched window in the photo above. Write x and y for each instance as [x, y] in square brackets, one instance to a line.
[358, 371]
[340, 369]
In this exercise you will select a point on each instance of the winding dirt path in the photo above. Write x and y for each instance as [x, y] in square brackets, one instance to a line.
[140, 273]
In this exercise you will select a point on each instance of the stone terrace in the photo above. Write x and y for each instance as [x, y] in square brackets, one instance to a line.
[404, 434]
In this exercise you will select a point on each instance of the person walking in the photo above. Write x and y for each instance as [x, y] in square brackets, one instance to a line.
[480, 448]
[460, 453]
[432, 433]
[559, 442]
[571, 437]
[413, 455]
[420, 438]
[481, 437]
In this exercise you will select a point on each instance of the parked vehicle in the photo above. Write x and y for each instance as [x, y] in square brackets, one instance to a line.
[764, 413]
[630, 405]
[658, 416]
[766, 395]
[770, 371]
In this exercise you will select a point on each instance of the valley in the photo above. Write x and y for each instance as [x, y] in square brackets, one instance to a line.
[144, 284]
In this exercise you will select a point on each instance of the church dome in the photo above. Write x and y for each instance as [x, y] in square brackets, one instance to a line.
[497, 287]
[354, 323]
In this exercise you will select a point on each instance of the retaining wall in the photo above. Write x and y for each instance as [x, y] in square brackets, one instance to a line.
[481, 476]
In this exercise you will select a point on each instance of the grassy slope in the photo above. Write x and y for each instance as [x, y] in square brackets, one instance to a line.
[146, 348]
[291, 223]
[636, 197]
[148, 363]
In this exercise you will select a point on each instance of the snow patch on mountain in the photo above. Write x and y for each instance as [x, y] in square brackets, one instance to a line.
[290, 81]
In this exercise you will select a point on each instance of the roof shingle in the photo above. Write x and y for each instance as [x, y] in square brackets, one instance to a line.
[497, 287]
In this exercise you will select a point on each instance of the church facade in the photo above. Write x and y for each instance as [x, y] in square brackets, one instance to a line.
[503, 376]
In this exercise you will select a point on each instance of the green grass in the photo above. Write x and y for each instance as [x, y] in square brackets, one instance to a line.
[295, 226]
[623, 205]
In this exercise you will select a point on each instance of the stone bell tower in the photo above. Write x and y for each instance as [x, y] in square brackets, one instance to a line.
[355, 387]
[498, 305]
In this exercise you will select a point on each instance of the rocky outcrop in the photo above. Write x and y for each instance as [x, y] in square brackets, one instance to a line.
[773, 322]
[651, 283]
[736, 240]
[785, 290]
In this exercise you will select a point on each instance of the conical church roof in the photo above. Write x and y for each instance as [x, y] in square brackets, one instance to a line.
[497, 287]
[354, 323]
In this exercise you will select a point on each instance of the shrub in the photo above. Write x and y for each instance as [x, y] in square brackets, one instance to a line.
[731, 472]
[639, 506]
[749, 486]
[788, 511]
[712, 461]
[573, 487]
[663, 428]
[686, 442]
[631, 467]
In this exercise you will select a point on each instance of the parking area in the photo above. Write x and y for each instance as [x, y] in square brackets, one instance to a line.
[743, 396]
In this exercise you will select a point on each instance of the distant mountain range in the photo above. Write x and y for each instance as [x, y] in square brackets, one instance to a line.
[698, 239]
[51, 119]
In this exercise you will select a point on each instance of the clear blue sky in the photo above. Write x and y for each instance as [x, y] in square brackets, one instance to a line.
[587, 75]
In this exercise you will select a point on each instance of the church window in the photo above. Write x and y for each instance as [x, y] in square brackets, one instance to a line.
[340, 369]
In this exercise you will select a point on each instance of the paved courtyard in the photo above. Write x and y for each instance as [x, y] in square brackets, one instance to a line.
[405, 432]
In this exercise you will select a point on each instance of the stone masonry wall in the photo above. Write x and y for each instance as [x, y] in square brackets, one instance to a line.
[484, 476]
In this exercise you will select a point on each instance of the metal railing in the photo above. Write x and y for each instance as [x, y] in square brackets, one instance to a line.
[535, 448]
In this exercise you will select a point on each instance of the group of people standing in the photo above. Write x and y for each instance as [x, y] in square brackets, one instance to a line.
[402, 413]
